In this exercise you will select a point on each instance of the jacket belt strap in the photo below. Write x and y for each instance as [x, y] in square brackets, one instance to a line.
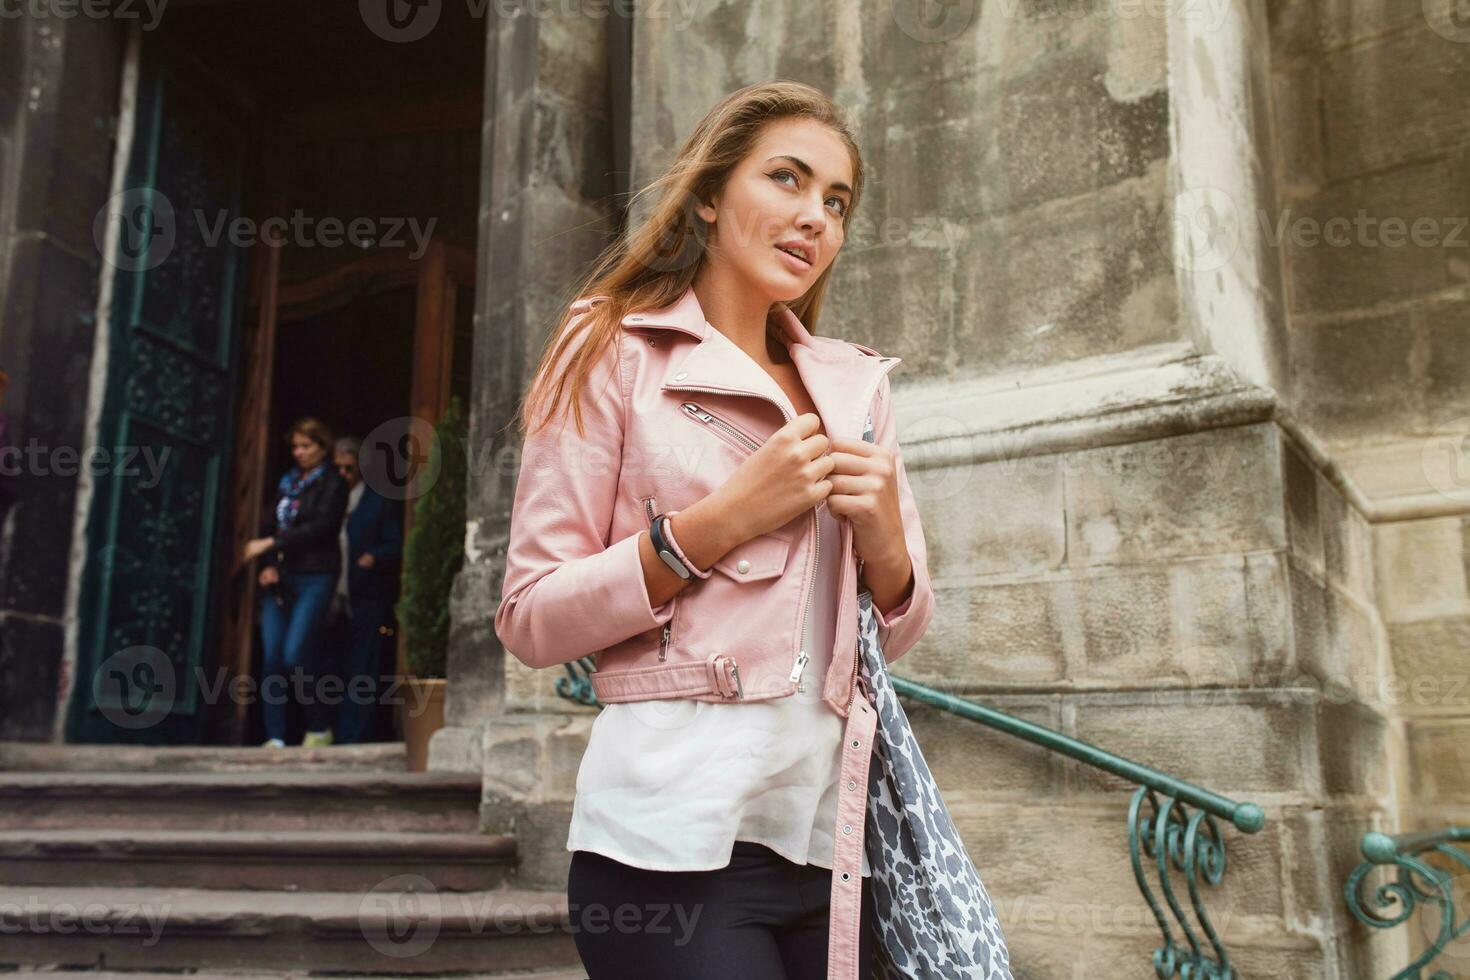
[716, 674]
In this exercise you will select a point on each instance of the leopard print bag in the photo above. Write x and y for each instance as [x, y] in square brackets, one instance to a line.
[934, 917]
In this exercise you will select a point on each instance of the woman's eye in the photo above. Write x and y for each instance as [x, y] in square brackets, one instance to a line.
[778, 173]
[838, 204]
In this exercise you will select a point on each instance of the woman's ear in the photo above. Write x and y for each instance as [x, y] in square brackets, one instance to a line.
[707, 210]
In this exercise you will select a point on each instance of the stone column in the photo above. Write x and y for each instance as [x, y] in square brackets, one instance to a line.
[546, 211]
[59, 79]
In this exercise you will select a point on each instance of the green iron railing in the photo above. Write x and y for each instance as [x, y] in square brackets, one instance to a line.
[1416, 884]
[1161, 826]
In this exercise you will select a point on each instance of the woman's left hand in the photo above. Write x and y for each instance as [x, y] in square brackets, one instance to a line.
[256, 547]
[865, 491]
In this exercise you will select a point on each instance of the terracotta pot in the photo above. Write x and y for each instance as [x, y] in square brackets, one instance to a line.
[423, 715]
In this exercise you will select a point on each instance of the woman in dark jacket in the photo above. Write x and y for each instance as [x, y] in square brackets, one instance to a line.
[301, 561]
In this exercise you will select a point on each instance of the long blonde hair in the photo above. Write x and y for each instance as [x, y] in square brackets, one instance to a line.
[652, 266]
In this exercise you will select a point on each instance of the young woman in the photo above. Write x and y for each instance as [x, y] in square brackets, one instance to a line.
[302, 559]
[703, 534]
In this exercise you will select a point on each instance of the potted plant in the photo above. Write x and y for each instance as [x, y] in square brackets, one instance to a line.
[432, 556]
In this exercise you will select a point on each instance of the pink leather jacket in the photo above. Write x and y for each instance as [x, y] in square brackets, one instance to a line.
[677, 407]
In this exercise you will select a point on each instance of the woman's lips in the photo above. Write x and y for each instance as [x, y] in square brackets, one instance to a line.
[795, 264]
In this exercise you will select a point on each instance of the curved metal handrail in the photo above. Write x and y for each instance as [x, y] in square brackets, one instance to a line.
[1417, 882]
[1167, 833]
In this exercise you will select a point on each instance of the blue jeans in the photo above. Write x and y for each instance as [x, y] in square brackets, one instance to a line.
[291, 632]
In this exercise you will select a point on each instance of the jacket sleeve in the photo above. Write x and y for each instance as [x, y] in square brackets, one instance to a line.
[569, 591]
[901, 628]
[320, 525]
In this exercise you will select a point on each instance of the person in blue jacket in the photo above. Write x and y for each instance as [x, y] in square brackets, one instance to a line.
[372, 552]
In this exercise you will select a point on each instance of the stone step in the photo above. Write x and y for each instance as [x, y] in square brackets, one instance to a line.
[556, 973]
[318, 860]
[385, 930]
[52, 757]
[268, 800]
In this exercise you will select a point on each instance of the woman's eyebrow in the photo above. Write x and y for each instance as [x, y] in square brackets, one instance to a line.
[802, 165]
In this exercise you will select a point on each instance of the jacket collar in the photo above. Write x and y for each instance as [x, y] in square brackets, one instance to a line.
[840, 379]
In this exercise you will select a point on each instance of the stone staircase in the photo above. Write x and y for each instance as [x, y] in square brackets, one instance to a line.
[258, 862]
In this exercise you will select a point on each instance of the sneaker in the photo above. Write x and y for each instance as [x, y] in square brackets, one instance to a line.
[314, 740]
[273, 743]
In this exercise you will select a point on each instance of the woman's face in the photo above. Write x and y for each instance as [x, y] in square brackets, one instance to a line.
[788, 194]
[305, 451]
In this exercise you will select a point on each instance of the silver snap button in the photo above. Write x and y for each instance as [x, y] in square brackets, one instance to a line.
[851, 784]
[847, 828]
[681, 375]
[854, 743]
[742, 566]
[844, 876]
[650, 342]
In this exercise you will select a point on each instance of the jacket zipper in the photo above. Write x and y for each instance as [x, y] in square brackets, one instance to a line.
[696, 412]
[663, 643]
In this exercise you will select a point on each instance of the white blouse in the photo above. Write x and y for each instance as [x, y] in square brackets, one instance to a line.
[670, 784]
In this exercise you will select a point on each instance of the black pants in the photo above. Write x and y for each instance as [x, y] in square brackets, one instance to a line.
[761, 917]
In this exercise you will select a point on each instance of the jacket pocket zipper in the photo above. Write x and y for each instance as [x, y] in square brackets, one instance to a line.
[724, 429]
[668, 630]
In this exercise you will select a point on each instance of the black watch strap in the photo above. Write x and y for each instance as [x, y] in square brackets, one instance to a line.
[661, 547]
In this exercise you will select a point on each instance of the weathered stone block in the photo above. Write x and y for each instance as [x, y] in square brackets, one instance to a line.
[1185, 623]
[1347, 544]
[1431, 666]
[999, 517]
[1346, 254]
[1439, 758]
[1215, 492]
[1299, 131]
[1068, 279]
[1352, 377]
[1233, 748]
[1377, 114]
[994, 635]
[1300, 486]
[974, 764]
[1352, 748]
[1421, 569]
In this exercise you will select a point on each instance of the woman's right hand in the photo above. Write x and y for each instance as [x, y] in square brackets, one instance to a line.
[785, 476]
[269, 576]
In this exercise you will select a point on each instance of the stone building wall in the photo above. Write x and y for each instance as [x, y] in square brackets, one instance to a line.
[1124, 423]
[1375, 130]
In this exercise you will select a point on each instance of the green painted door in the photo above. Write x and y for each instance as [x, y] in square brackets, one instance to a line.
[142, 668]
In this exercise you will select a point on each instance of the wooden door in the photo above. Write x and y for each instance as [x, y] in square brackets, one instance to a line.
[436, 276]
